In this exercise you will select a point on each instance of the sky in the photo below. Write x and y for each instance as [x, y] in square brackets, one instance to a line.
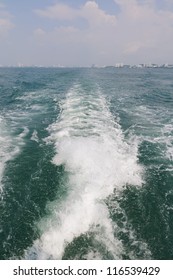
[85, 32]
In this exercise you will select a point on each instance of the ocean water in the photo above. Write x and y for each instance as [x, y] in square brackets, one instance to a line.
[86, 163]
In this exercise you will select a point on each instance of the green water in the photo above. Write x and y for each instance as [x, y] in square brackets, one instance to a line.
[86, 163]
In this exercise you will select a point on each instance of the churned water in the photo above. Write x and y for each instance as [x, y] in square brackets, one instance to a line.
[86, 163]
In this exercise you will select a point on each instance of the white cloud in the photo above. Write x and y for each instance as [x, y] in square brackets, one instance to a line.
[5, 24]
[132, 47]
[90, 11]
[76, 43]
[39, 32]
[5, 20]
[58, 11]
[140, 32]
[145, 29]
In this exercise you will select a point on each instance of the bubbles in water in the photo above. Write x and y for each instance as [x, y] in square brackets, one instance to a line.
[90, 145]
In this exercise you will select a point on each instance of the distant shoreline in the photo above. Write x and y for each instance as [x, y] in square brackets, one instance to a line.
[124, 66]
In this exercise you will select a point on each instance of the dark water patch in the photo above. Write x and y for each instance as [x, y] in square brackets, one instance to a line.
[79, 248]
[85, 247]
[147, 211]
[30, 182]
[134, 247]
[151, 153]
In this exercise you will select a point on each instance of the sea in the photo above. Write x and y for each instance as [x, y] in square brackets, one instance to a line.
[86, 163]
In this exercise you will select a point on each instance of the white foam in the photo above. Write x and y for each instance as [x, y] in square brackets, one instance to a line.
[155, 128]
[167, 133]
[24, 133]
[91, 146]
[34, 136]
[165, 140]
[7, 149]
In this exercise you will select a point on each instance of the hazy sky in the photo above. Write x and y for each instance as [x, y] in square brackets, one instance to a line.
[81, 32]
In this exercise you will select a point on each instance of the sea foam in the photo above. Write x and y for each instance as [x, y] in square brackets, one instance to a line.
[7, 148]
[90, 144]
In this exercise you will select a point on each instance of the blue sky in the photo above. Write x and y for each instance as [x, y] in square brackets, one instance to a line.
[82, 33]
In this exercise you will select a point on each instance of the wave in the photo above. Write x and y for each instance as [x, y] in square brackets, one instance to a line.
[99, 162]
[9, 145]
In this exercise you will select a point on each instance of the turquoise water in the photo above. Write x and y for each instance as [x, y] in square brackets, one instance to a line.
[86, 163]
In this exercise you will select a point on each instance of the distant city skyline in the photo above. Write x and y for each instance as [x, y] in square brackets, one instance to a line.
[82, 33]
[116, 65]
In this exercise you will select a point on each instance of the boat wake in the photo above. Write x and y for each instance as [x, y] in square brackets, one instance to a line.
[98, 163]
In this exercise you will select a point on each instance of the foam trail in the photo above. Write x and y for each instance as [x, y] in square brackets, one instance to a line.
[161, 132]
[7, 149]
[10, 145]
[90, 145]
